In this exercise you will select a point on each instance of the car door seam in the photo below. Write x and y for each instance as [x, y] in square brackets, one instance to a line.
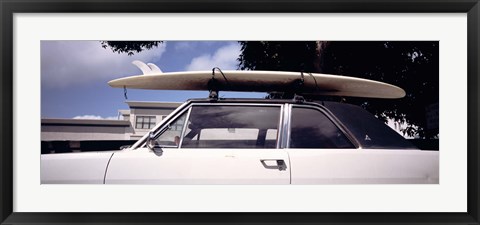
[106, 168]
[289, 166]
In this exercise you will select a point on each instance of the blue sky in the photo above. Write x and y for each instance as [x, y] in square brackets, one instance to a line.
[74, 75]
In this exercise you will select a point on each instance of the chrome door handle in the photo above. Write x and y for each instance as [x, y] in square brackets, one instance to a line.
[274, 164]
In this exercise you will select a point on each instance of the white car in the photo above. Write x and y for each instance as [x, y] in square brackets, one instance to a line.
[256, 141]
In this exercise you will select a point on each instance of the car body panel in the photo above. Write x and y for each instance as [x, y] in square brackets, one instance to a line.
[363, 166]
[197, 166]
[74, 168]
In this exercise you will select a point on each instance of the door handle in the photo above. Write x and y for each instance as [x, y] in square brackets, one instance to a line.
[274, 164]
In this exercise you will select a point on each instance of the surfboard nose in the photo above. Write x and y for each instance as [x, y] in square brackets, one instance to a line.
[114, 83]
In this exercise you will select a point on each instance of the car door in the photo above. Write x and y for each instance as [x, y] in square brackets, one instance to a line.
[210, 144]
[322, 153]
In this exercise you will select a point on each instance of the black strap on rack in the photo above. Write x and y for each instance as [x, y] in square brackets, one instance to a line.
[212, 89]
[214, 85]
[297, 87]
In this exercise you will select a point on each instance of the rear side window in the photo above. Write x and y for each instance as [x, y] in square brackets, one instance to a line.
[370, 132]
[232, 126]
[310, 128]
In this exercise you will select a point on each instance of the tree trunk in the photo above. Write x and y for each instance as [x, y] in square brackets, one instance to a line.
[318, 63]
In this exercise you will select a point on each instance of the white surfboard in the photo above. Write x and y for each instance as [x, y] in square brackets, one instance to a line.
[262, 81]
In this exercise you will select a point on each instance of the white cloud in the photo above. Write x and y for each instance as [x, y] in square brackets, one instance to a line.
[183, 46]
[190, 45]
[68, 63]
[224, 58]
[94, 117]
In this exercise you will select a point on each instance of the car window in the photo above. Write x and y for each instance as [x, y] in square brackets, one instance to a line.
[310, 128]
[232, 126]
[370, 132]
[171, 136]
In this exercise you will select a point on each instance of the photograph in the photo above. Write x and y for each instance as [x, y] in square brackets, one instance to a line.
[265, 112]
[170, 112]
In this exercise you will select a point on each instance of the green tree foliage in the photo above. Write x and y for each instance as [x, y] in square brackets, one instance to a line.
[278, 56]
[411, 65]
[129, 47]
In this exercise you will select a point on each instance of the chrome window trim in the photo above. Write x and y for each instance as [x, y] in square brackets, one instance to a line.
[184, 127]
[286, 125]
[236, 104]
[280, 127]
[334, 120]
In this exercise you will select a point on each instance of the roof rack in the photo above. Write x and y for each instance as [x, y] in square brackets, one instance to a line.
[214, 86]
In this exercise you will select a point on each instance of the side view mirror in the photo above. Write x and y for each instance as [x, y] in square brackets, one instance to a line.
[152, 144]
[150, 141]
[125, 147]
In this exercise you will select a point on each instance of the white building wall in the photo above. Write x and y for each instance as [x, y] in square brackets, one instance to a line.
[158, 113]
[84, 130]
[83, 133]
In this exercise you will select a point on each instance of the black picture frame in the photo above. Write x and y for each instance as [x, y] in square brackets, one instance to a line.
[10, 7]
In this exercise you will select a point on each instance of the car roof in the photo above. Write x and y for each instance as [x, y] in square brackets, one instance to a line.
[242, 100]
[261, 101]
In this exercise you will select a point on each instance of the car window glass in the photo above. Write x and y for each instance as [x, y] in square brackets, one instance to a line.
[232, 126]
[171, 137]
[229, 133]
[370, 132]
[310, 128]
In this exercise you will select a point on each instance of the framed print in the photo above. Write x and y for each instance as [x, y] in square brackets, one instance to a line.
[35, 31]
